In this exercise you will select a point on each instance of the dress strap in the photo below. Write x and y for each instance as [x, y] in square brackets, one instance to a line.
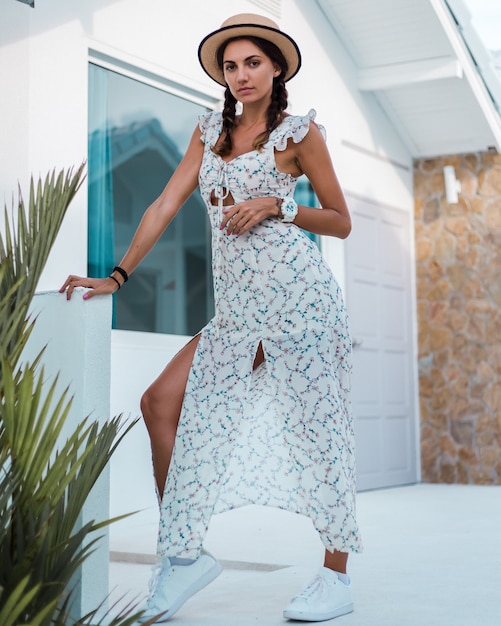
[294, 127]
[210, 127]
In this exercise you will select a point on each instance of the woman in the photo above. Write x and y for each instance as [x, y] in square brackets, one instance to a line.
[257, 403]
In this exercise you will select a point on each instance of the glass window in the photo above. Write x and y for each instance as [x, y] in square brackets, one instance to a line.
[305, 195]
[137, 136]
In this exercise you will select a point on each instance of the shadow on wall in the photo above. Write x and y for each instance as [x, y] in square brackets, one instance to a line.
[458, 264]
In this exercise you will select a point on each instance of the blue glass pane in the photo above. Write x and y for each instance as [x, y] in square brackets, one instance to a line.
[305, 195]
[137, 136]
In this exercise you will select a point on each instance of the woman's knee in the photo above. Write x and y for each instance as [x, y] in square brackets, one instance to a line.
[162, 401]
[147, 405]
[160, 410]
[155, 406]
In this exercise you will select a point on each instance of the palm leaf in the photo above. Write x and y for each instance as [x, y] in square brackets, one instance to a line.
[17, 602]
[24, 250]
[53, 485]
[44, 479]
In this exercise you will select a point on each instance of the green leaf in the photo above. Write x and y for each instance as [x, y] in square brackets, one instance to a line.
[25, 247]
[45, 479]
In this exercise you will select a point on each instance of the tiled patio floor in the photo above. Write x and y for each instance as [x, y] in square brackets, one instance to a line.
[432, 558]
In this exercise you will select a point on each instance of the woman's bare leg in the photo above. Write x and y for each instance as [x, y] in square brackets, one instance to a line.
[161, 407]
[336, 561]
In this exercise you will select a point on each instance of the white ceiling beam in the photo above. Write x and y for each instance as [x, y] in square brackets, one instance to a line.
[404, 74]
[472, 74]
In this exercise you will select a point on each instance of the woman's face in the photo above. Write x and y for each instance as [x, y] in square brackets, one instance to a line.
[248, 72]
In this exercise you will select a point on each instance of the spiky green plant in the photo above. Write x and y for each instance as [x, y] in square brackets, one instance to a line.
[44, 480]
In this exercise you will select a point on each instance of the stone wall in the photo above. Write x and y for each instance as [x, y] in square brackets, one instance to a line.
[458, 257]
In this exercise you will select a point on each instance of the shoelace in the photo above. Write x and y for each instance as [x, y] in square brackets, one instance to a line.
[310, 589]
[153, 583]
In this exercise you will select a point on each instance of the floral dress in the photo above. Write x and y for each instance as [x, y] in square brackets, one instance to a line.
[280, 435]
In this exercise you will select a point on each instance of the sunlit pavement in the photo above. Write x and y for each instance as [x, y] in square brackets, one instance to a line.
[432, 557]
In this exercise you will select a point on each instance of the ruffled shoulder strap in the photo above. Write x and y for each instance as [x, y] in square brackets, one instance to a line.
[210, 126]
[295, 127]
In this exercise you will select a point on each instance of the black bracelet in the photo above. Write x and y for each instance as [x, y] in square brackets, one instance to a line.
[116, 280]
[122, 272]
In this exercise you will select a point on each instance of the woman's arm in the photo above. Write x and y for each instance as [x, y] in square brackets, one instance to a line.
[313, 159]
[153, 223]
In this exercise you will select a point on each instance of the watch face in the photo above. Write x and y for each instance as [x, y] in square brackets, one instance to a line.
[289, 209]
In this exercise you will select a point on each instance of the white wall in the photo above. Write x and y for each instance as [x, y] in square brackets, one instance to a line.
[14, 103]
[43, 124]
[75, 337]
[327, 82]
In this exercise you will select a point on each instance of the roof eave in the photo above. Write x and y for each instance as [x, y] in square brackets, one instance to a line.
[470, 69]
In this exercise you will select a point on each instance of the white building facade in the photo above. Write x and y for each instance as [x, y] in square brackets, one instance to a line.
[65, 65]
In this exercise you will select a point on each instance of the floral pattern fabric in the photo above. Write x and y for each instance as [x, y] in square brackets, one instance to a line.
[280, 435]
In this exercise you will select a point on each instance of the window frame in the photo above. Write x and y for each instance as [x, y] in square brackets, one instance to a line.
[161, 78]
[154, 76]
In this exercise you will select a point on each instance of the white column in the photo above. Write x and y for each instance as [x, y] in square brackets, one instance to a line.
[77, 336]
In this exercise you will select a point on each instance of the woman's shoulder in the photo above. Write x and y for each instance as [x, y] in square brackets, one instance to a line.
[294, 127]
[210, 125]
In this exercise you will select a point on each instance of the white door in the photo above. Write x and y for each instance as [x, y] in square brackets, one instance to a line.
[379, 300]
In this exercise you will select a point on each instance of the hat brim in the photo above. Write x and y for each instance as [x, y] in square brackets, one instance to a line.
[209, 46]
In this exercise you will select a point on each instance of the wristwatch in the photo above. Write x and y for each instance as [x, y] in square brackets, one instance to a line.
[287, 210]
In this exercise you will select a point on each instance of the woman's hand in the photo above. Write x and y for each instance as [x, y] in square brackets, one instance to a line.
[240, 218]
[98, 286]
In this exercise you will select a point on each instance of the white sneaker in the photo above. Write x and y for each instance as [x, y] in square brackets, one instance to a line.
[172, 585]
[325, 597]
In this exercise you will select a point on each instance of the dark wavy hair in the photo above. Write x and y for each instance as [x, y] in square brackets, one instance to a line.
[278, 102]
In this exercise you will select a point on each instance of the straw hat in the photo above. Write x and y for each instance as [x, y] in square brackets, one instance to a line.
[242, 25]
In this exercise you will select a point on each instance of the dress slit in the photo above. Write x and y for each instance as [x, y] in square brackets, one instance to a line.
[259, 357]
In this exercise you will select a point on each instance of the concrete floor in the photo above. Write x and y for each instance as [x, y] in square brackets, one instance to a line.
[432, 557]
